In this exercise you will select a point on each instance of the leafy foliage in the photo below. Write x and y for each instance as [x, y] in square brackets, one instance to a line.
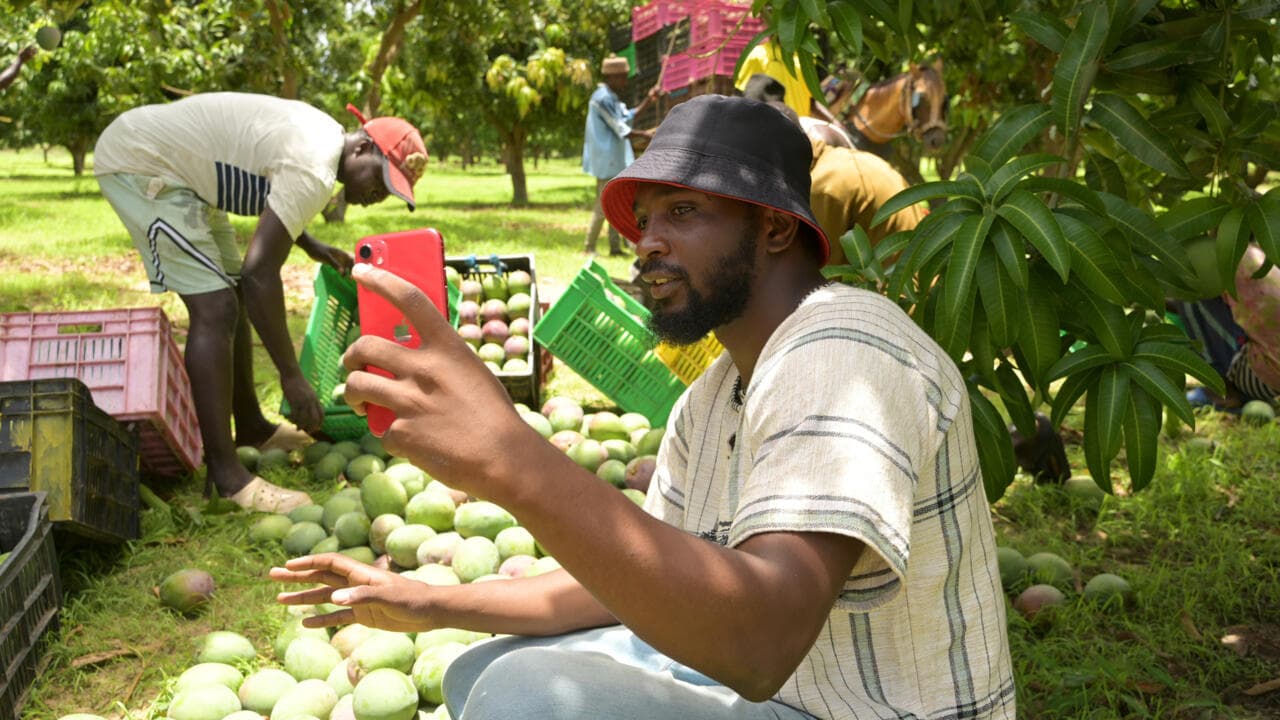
[1044, 275]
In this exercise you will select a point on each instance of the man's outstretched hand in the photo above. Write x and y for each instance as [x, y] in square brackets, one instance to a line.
[373, 597]
[453, 418]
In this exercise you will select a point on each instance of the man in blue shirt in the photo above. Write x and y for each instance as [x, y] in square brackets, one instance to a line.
[606, 150]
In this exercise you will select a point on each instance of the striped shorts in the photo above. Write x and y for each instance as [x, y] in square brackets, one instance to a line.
[1241, 374]
[187, 245]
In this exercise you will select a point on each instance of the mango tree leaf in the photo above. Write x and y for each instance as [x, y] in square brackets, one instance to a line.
[1264, 220]
[1141, 437]
[1157, 384]
[1192, 218]
[1011, 253]
[1150, 55]
[956, 312]
[1006, 178]
[1230, 246]
[1146, 235]
[1038, 336]
[1208, 106]
[1086, 358]
[1066, 188]
[1113, 398]
[1102, 174]
[1136, 135]
[857, 247]
[1095, 443]
[1107, 322]
[808, 72]
[1010, 133]
[1069, 392]
[926, 191]
[790, 27]
[1182, 360]
[907, 28]
[882, 10]
[848, 25]
[1092, 261]
[930, 235]
[981, 348]
[817, 12]
[995, 448]
[1014, 395]
[999, 297]
[977, 167]
[1078, 63]
[1045, 28]
[1036, 222]
[890, 246]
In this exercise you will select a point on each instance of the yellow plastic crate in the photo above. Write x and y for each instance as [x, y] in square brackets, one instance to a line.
[690, 361]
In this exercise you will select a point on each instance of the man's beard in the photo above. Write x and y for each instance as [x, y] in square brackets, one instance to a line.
[729, 294]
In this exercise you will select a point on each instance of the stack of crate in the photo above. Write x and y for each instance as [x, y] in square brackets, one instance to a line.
[719, 31]
[658, 29]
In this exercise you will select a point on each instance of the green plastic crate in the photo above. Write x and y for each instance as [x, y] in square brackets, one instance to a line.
[599, 331]
[335, 324]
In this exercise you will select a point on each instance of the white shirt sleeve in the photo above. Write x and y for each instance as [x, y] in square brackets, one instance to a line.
[297, 195]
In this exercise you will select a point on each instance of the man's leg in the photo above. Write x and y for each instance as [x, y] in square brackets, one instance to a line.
[252, 427]
[209, 361]
[597, 220]
[606, 673]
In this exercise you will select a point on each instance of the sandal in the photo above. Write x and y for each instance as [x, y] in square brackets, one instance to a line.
[264, 496]
[287, 437]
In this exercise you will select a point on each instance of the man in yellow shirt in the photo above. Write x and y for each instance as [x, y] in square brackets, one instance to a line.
[767, 58]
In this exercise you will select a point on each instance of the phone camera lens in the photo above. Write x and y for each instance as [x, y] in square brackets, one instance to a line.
[365, 252]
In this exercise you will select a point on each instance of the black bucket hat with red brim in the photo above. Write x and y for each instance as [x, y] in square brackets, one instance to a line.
[728, 146]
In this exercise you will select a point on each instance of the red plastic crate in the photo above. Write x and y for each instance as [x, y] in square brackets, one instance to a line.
[649, 19]
[716, 20]
[703, 60]
[128, 359]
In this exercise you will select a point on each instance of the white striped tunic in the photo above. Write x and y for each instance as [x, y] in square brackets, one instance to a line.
[857, 423]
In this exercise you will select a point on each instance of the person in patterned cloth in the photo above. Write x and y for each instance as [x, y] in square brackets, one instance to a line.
[172, 173]
[815, 543]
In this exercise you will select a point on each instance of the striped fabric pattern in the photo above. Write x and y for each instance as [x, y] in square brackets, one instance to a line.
[855, 422]
[239, 191]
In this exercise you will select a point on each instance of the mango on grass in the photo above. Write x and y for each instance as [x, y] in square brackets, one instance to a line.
[262, 689]
[209, 673]
[204, 702]
[187, 590]
[352, 529]
[1258, 412]
[1106, 588]
[330, 466]
[270, 529]
[222, 646]
[381, 649]
[1050, 569]
[428, 669]
[433, 508]
[403, 542]
[385, 694]
[337, 506]
[476, 556]
[310, 658]
[1013, 567]
[248, 456]
[302, 537]
[1035, 602]
[292, 631]
[273, 459]
[381, 494]
[311, 697]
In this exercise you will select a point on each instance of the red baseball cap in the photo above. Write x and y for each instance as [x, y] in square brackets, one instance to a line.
[404, 155]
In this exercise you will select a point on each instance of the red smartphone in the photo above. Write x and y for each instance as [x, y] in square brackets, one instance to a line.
[416, 256]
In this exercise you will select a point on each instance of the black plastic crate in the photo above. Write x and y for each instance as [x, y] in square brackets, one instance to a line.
[30, 594]
[523, 387]
[619, 37]
[53, 439]
[651, 50]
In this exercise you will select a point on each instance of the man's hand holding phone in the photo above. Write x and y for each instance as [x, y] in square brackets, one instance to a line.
[452, 417]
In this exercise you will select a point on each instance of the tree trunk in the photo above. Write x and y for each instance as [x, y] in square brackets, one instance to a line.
[907, 162]
[78, 147]
[388, 49]
[513, 154]
[281, 16]
[950, 160]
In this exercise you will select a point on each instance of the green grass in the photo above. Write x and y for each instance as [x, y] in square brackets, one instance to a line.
[1200, 547]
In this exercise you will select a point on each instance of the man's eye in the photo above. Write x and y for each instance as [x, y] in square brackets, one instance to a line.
[681, 209]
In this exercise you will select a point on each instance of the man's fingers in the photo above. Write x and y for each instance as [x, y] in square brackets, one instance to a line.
[380, 353]
[365, 388]
[416, 306]
[333, 619]
[314, 596]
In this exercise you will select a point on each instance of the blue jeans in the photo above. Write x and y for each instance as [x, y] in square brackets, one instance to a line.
[604, 674]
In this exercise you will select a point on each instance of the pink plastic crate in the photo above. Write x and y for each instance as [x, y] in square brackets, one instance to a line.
[715, 20]
[702, 60]
[649, 19]
[131, 363]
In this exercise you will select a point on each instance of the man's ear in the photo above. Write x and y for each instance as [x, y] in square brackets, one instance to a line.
[782, 230]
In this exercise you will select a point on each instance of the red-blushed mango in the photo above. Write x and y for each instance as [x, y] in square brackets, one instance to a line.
[1035, 603]
[439, 549]
[1106, 588]
[640, 472]
[380, 528]
[565, 439]
[516, 565]
[476, 556]
[349, 637]
[187, 590]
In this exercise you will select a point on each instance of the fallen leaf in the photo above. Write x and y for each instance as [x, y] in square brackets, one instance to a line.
[1238, 643]
[1264, 688]
[1190, 626]
[101, 657]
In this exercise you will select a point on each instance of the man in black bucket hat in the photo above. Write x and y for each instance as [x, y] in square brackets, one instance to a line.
[815, 542]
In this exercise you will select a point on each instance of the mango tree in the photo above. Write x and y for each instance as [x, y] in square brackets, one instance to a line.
[1044, 269]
